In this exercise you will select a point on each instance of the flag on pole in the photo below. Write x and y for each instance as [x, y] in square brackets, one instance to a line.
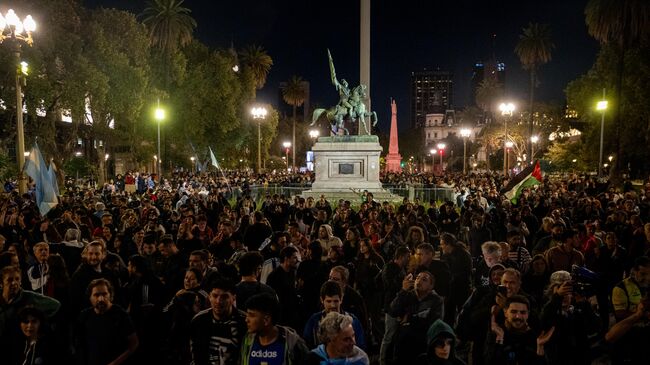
[52, 175]
[213, 159]
[530, 176]
[36, 168]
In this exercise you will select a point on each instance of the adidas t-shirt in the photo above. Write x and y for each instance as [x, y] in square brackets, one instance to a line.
[272, 354]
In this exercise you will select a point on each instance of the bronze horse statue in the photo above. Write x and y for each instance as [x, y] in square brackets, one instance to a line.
[337, 114]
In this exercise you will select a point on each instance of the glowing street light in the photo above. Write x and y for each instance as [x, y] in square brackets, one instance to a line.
[441, 149]
[259, 113]
[159, 115]
[602, 107]
[506, 110]
[508, 145]
[314, 133]
[433, 152]
[465, 133]
[533, 141]
[287, 146]
[15, 31]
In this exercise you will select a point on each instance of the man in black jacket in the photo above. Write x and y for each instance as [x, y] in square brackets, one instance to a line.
[217, 332]
[89, 270]
[392, 277]
[416, 306]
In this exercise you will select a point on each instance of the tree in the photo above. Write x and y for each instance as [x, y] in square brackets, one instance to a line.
[294, 94]
[257, 63]
[489, 91]
[170, 27]
[54, 83]
[170, 24]
[116, 72]
[583, 92]
[622, 24]
[534, 49]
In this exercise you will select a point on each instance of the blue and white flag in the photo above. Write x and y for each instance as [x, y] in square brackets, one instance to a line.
[36, 168]
[52, 174]
[213, 159]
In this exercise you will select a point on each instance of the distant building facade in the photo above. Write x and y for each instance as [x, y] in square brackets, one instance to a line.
[431, 92]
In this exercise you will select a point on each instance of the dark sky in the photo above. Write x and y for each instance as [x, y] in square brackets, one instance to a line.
[406, 35]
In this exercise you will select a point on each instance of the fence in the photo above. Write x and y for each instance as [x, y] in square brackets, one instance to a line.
[411, 192]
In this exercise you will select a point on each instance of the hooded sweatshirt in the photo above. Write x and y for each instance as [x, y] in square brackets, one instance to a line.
[439, 329]
[330, 241]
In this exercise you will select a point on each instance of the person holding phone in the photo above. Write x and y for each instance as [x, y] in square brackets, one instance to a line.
[574, 321]
[416, 307]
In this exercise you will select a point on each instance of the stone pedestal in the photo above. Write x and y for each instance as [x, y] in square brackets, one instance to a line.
[345, 166]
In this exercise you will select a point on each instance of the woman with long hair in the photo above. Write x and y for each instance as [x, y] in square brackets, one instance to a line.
[179, 313]
[351, 244]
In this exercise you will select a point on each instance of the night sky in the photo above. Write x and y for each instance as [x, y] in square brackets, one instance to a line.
[406, 35]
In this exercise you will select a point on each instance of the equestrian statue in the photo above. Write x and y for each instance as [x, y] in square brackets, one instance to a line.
[350, 106]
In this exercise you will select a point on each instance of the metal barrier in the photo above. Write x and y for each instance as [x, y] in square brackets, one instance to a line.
[422, 193]
[258, 192]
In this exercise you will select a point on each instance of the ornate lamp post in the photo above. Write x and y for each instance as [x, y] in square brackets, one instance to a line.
[441, 149]
[159, 115]
[287, 146]
[506, 110]
[259, 113]
[15, 31]
[314, 133]
[602, 106]
[465, 133]
[433, 152]
[533, 142]
[508, 145]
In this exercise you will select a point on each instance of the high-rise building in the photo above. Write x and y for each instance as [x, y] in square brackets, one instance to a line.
[431, 92]
[302, 111]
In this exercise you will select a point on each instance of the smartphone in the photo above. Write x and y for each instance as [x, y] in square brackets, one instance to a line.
[502, 290]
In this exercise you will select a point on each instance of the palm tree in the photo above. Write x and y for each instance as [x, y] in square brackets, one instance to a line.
[170, 24]
[534, 49]
[622, 24]
[294, 94]
[488, 93]
[258, 62]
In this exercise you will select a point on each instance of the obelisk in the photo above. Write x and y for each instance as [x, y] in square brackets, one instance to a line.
[364, 59]
[393, 158]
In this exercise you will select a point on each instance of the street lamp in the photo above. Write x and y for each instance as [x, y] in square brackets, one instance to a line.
[533, 142]
[602, 106]
[193, 164]
[441, 148]
[259, 113]
[314, 133]
[287, 146]
[508, 145]
[159, 115]
[15, 31]
[465, 133]
[433, 152]
[506, 110]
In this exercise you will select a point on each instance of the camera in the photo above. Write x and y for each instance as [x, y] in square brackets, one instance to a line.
[585, 281]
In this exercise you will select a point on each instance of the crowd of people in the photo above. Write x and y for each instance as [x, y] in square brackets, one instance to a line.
[176, 273]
